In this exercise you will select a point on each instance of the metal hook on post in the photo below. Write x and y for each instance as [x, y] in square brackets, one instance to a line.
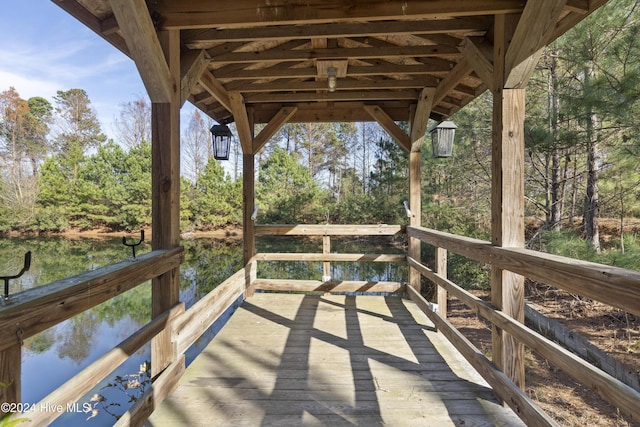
[25, 267]
[134, 244]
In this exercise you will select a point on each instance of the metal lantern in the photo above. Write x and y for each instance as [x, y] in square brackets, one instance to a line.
[442, 139]
[221, 139]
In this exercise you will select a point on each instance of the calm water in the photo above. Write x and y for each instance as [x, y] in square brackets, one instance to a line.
[55, 355]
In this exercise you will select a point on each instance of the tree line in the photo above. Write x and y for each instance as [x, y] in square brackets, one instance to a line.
[581, 130]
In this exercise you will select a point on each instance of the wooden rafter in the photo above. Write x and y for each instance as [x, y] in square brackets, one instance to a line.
[284, 55]
[269, 51]
[200, 38]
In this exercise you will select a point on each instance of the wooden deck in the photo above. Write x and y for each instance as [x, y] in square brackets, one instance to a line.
[294, 360]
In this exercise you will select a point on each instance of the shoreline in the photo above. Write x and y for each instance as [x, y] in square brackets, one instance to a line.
[224, 233]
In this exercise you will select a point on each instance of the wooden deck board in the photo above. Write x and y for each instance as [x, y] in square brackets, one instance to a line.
[296, 360]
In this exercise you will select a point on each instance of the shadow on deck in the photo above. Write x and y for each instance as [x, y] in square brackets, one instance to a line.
[292, 359]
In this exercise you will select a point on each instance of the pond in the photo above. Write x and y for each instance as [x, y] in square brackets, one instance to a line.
[55, 355]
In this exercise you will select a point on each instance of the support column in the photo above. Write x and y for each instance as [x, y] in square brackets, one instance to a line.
[248, 229]
[165, 191]
[415, 205]
[507, 221]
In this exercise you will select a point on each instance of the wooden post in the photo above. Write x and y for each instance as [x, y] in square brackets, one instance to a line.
[248, 205]
[507, 221]
[326, 265]
[415, 206]
[165, 190]
[441, 270]
[10, 373]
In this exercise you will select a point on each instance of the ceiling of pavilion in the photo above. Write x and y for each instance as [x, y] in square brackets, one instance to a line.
[270, 55]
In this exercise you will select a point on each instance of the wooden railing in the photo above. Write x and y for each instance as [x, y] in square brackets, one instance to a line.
[326, 257]
[37, 309]
[34, 310]
[610, 285]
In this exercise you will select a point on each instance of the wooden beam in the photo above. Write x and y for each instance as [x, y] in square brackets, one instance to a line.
[192, 65]
[278, 55]
[243, 126]
[338, 95]
[343, 85]
[479, 53]
[138, 30]
[197, 39]
[254, 13]
[289, 70]
[215, 89]
[538, 20]
[421, 117]
[273, 126]
[389, 125]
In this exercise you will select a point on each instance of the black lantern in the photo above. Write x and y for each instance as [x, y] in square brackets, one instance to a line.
[221, 139]
[442, 139]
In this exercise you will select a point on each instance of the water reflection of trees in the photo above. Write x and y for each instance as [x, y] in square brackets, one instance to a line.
[76, 337]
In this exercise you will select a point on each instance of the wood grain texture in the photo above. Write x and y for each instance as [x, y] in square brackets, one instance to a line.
[40, 308]
[610, 388]
[295, 360]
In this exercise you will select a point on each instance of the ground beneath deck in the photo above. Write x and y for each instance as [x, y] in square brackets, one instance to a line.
[301, 360]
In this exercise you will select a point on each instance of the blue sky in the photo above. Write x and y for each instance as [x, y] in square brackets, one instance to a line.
[43, 49]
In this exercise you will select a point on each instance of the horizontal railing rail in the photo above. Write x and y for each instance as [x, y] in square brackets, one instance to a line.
[326, 231]
[599, 282]
[614, 286]
[34, 310]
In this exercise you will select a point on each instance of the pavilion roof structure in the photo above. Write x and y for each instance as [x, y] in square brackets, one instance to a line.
[272, 57]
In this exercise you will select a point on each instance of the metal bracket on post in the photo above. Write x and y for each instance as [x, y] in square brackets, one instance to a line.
[25, 267]
[134, 244]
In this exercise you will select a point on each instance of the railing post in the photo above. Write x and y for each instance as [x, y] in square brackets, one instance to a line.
[326, 265]
[415, 206]
[248, 225]
[441, 270]
[10, 372]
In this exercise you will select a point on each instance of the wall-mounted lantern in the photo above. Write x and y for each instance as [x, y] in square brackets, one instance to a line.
[442, 139]
[221, 139]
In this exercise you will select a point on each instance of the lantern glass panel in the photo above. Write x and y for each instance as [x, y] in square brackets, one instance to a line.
[221, 141]
[442, 137]
[221, 147]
